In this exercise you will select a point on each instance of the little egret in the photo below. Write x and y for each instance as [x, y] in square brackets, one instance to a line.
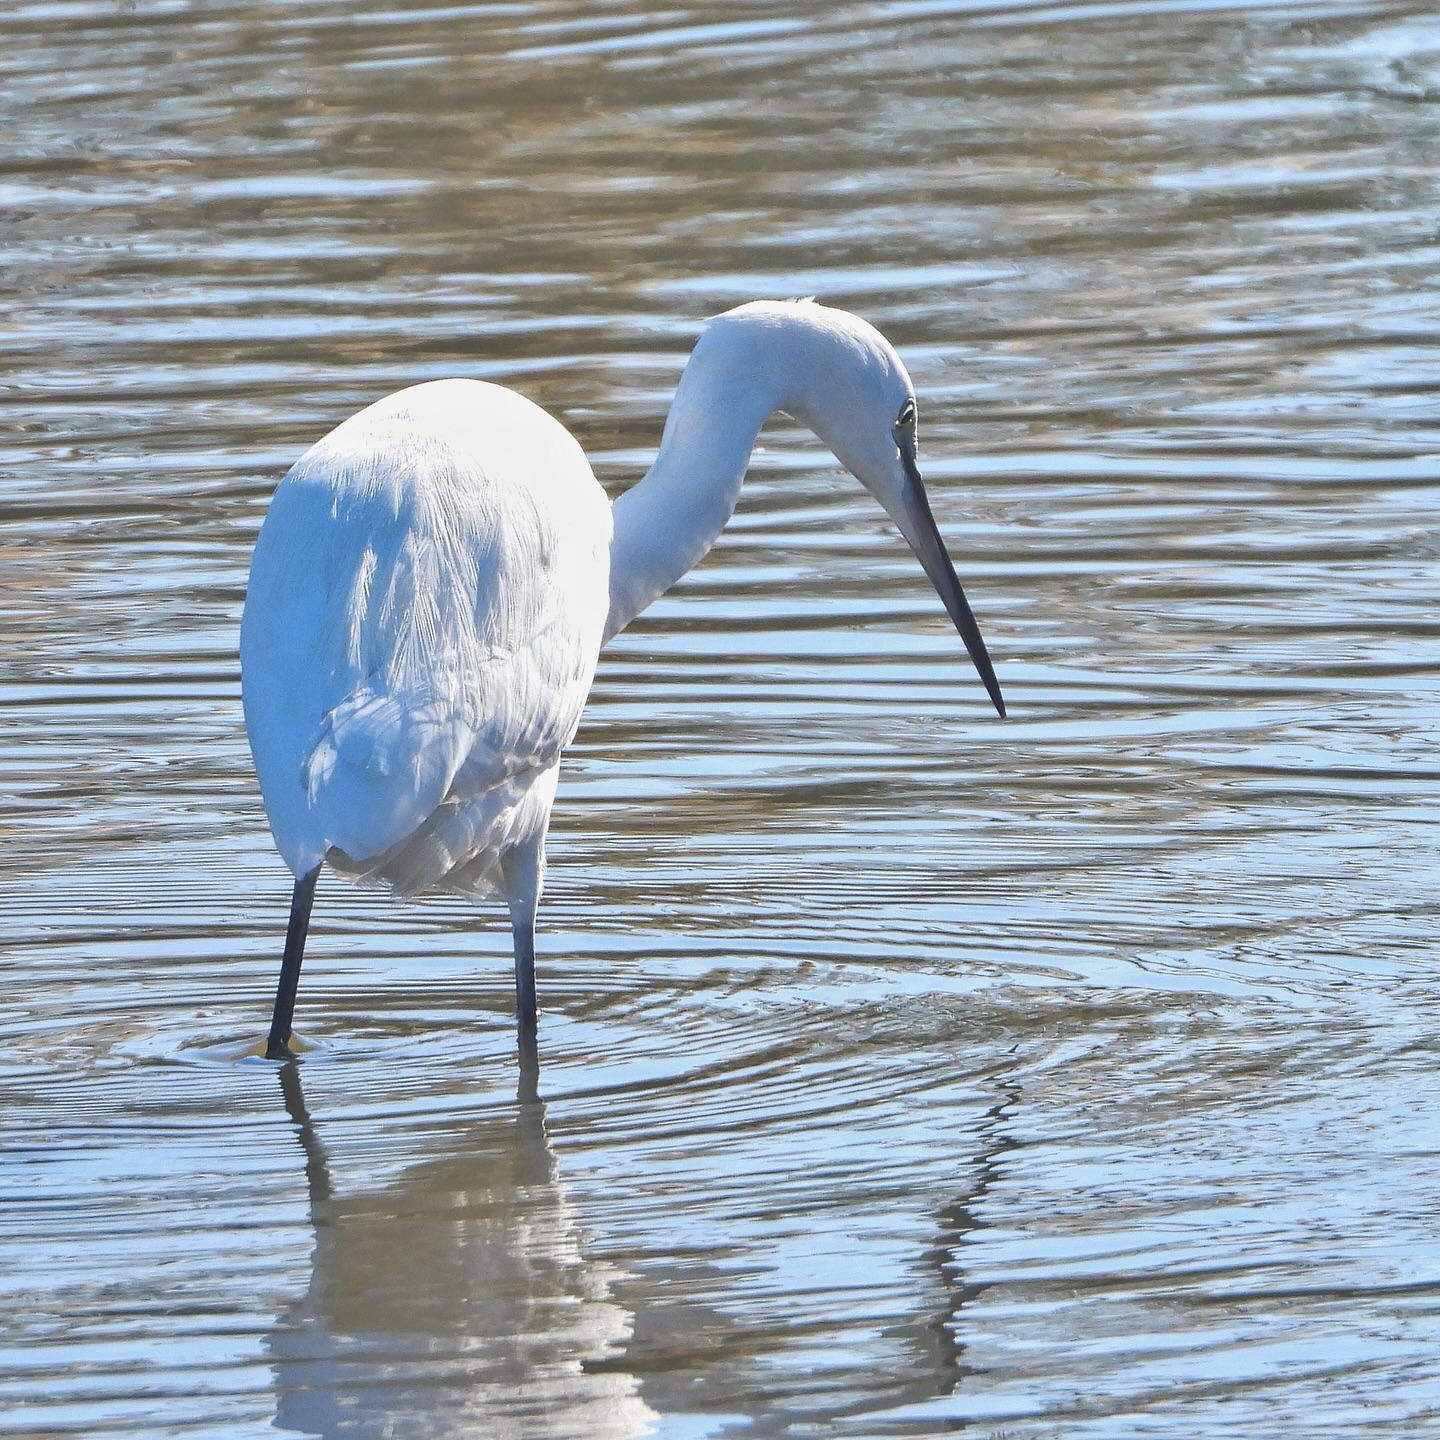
[435, 578]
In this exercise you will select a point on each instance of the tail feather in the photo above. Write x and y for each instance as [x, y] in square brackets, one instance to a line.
[461, 845]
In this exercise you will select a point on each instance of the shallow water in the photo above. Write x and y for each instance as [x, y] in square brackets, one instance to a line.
[904, 1072]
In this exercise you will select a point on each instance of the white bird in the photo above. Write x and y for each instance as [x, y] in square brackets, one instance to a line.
[434, 580]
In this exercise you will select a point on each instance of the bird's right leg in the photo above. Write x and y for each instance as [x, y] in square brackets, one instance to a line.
[522, 928]
[522, 869]
[277, 1047]
[523, 898]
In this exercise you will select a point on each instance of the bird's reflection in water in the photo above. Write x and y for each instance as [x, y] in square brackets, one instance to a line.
[454, 1301]
[458, 1301]
[960, 1224]
[693, 1356]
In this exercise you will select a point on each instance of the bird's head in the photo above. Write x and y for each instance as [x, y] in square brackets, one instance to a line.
[845, 381]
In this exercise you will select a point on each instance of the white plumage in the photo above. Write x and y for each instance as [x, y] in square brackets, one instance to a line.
[434, 580]
[426, 605]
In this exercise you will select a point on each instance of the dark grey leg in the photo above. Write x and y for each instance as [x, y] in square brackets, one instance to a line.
[523, 870]
[522, 927]
[277, 1046]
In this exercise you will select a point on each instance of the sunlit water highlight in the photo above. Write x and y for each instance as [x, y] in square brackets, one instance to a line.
[905, 1073]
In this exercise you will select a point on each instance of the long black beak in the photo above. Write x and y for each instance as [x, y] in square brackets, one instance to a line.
[917, 523]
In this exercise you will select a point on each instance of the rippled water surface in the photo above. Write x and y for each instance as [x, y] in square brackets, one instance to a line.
[904, 1072]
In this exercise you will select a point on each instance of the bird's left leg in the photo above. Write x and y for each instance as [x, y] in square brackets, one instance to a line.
[277, 1047]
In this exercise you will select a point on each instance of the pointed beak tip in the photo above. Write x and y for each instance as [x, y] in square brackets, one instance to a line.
[919, 528]
[992, 689]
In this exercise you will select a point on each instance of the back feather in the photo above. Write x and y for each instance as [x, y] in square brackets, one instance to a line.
[424, 617]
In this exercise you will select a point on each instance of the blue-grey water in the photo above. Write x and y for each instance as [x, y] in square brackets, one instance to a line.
[905, 1073]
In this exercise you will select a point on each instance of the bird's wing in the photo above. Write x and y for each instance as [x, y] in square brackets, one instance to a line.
[421, 624]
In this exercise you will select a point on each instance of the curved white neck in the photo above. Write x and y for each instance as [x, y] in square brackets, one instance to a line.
[666, 523]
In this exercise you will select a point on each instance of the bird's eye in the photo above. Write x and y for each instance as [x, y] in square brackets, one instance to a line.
[907, 417]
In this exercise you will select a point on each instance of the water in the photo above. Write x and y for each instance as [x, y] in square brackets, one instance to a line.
[905, 1073]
